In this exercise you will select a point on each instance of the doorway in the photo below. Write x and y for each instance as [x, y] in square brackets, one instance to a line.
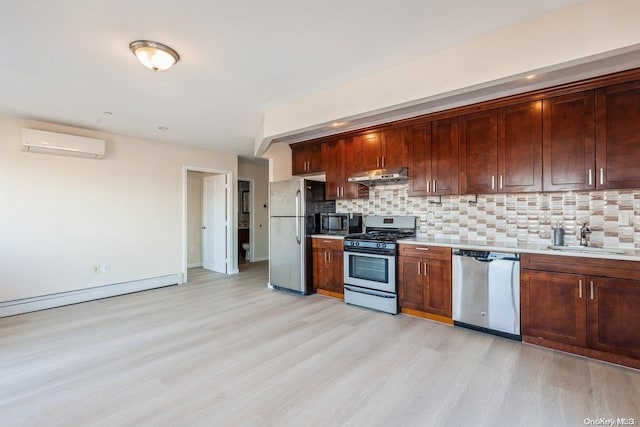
[207, 222]
[245, 221]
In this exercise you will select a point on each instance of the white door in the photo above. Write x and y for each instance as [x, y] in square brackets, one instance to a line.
[214, 227]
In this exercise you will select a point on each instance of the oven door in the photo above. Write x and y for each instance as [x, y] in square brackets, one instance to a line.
[371, 271]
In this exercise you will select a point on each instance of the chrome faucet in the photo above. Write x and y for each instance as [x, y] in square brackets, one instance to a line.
[584, 235]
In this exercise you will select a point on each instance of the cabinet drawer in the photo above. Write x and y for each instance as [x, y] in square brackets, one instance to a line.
[318, 242]
[421, 251]
[621, 269]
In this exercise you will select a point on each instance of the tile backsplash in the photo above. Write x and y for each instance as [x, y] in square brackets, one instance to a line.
[612, 215]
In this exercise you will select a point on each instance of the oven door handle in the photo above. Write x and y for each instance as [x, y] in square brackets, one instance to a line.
[367, 293]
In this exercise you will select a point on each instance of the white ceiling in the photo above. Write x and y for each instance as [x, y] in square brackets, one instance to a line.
[68, 62]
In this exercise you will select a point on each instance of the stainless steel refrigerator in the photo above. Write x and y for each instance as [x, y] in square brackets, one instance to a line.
[293, 206]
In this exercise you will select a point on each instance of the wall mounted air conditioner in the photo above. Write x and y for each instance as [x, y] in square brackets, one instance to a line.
[39, 141]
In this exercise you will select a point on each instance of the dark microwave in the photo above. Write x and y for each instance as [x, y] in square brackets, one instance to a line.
[340, 223]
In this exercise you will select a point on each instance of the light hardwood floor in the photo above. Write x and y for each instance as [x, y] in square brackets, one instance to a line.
[225, 350]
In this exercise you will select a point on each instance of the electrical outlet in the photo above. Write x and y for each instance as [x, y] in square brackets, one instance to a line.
[106, 268]
[97, 269]
[623, 219]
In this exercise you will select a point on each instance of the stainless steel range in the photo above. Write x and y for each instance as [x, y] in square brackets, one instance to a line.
[370, 262]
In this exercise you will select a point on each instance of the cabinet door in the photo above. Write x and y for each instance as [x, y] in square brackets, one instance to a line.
[444, 157]
[371, 146]
[314, 158]
[614, 315]
[520, 148]
[568, 137]
[319, 262]
[478, 152]
[337, 274]
[351, 155]
[553, 306]
[298, 160]
[306, 159]
[332, 155]
[419, 159]
[437, 287]
[394, 143]
[410, 283]
[618, 136]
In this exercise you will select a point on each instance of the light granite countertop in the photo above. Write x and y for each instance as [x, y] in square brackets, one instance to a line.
[457, 243]
[532, 248]
[327, 236]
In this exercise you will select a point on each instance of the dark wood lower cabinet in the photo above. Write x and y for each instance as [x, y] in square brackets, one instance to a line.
[328, 262]
[571, 306]
[553, 307]
[613, 315]
[424, 281]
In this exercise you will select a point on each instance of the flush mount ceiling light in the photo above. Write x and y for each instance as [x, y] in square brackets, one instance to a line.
[153, 55]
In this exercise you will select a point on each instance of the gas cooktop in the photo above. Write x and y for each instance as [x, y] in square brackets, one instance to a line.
[381, 236]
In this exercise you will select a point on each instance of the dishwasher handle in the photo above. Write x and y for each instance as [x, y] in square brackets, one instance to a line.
[485, 256]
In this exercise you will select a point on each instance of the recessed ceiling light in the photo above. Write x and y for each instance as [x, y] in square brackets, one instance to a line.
[531, 76]
[153, 55]
[163, 128]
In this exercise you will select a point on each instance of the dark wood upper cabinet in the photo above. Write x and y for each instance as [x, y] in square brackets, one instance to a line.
[433, 158]
[334, 176]
[394, 145]
[618, 136]
[371, 146]
[306, 159]
[520, 147]
[569, 142]
[341, 158]
[386, 149]
[444, 157]
[351, 153]
[419, 149]
[580, 136]
[478, 152]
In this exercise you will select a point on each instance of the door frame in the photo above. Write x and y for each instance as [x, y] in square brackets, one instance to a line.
[232, 264]
[251, 214]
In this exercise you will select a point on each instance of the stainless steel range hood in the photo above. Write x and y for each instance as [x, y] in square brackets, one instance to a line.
[380, 176]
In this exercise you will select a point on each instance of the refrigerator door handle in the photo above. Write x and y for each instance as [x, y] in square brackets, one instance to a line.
[298, 239]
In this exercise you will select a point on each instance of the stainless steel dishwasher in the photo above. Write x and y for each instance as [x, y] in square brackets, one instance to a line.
[486, 292]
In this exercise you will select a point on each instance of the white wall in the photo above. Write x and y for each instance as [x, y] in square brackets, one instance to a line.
[279, 156]
[260, 224]
[61, 216]
[558, 39]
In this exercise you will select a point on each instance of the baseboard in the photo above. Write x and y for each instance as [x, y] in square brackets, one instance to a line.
[27, 305]
[331, 294]
[264, 258]
[424, 315]
[195, 264]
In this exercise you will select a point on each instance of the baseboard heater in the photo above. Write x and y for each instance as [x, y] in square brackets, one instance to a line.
[27, 305]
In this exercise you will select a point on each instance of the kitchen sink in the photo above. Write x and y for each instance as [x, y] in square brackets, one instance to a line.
[589, 249]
